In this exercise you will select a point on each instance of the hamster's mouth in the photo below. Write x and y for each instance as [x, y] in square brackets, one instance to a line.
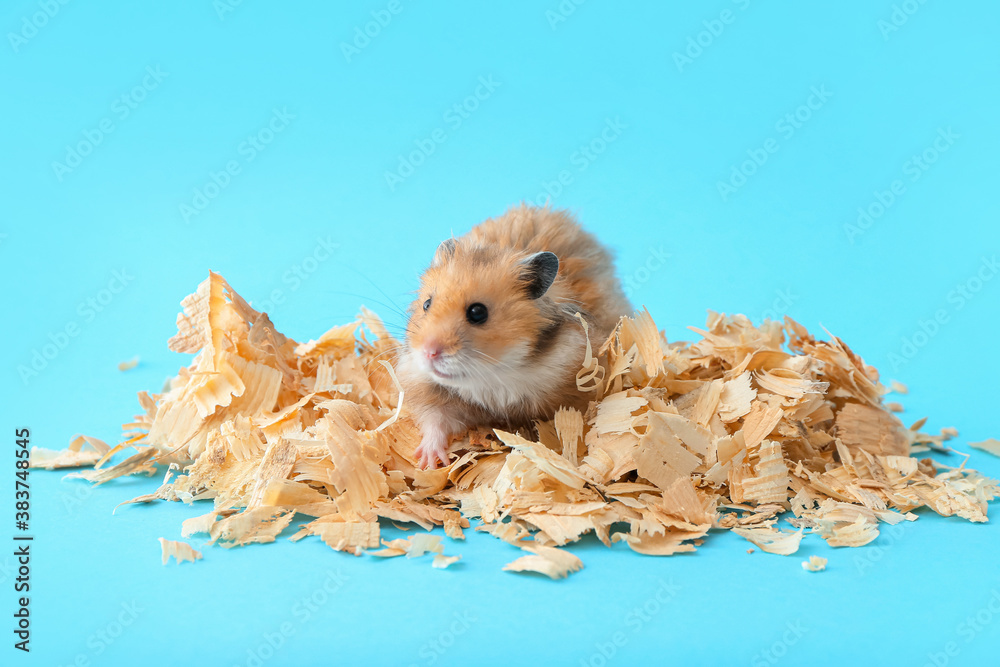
[438, 374]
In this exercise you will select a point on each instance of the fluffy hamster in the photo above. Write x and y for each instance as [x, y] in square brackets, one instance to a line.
[492, 339]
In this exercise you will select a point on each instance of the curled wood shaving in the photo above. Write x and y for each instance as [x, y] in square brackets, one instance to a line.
[590, 377]
[731, 431]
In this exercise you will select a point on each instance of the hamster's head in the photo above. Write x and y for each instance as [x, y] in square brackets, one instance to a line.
[480, 314]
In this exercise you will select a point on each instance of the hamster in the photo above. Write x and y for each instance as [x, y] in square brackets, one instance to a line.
[493, 339]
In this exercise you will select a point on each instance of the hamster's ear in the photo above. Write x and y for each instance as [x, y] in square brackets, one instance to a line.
[444, 252]
[538, 272]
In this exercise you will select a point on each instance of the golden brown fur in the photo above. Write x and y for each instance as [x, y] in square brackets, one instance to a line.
[520, 364]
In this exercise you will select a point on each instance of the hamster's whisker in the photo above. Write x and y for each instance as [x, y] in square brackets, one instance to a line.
[395, 309]
[391, 350]
[568, 300]
[395, 306]
[481, 371]
[495, 360]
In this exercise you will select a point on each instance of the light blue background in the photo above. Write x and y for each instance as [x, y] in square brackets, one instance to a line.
[778, 245]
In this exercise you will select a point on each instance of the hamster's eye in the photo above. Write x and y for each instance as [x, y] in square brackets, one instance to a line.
[476, 313]
[427, 304]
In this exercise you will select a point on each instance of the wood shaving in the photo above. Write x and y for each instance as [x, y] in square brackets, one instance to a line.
[258, 525]
[771, 540]
[416, 546]
[422, 543]
[82, 451]
[133, 465]
[441, 561]
[349, 536]
[181, 551]
[128, 365]
[992, 446]
[553, 563]
[814, 564]
[743, 428]
[198, 524]
[50, 459]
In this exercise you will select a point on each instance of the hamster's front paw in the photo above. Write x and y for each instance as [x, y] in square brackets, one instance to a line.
[433, 449]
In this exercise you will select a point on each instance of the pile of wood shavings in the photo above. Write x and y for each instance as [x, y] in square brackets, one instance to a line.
[730, 432]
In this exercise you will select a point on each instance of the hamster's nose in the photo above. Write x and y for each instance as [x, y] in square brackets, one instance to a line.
[433, 349]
